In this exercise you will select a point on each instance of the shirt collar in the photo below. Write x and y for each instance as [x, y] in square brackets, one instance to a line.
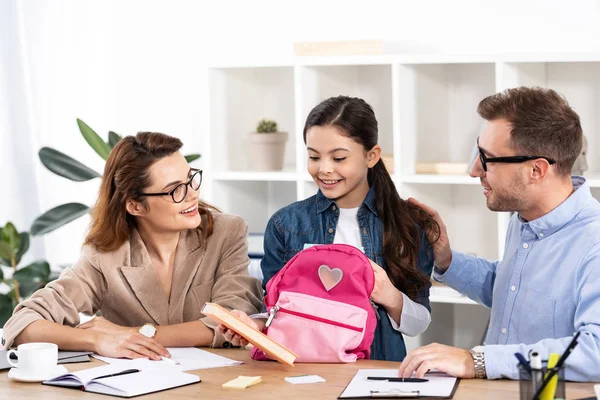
[323, 203]
[548, 224]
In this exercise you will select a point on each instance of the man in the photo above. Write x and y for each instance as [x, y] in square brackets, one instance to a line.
[547, 286]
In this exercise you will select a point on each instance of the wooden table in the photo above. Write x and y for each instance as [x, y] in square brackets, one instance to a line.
[273, 386]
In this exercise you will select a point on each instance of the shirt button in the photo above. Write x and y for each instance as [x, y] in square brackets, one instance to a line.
[504, 331]
[330, 230]
[513, 288]
[525, 245]
[541, 235]
[334, 208]
[365, 231]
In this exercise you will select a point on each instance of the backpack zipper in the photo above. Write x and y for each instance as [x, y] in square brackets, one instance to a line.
[375, 307]
[272, 314]
[313, 318]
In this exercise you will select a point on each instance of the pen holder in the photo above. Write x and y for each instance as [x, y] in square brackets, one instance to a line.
[530, 381]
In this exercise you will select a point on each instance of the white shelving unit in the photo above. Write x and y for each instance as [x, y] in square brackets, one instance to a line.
[426, 108]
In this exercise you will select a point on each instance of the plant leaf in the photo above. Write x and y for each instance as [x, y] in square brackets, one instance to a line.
[24, 246]
[65, 166]
[36, 271]
[1, 274]
[113, 139]
[32, 277]
[11, 237]
[6, 308]
[93, 139]
[57, 217]
[191, 157]
[5, 251]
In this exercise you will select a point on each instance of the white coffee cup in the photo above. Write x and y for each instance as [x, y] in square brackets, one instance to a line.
[35, 359]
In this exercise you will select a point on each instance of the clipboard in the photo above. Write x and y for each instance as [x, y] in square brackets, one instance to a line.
[439, 386]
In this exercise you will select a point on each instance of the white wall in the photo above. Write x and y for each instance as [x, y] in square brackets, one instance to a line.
[138, 65]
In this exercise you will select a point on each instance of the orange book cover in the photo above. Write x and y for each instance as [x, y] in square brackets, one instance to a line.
[258, 339]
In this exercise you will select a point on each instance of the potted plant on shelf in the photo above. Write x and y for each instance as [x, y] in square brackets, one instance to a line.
[267, 146]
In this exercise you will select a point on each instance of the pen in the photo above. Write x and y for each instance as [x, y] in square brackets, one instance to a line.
[396, 379]
[170, 360]
[523, 361]
[127, 371]
[558, 365]
[535, 361]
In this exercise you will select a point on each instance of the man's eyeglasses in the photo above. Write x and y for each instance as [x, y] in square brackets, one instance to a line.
[507, 159]
[179, 192]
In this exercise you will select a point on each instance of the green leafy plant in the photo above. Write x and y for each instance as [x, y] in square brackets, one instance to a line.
[266, 126]
[67, 167]
[24, 281]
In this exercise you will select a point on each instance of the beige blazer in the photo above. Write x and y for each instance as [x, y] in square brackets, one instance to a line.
[124, 287]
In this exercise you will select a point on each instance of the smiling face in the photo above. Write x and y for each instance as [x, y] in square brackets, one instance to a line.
[161, 213]
[339, 165]
[504, 185]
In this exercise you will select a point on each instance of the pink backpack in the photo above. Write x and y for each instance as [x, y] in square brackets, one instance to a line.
[319, 305]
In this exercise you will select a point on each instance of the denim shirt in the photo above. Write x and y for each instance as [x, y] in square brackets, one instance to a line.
[313, 221]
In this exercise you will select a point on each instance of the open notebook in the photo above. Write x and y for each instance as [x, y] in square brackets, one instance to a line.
[114, 380]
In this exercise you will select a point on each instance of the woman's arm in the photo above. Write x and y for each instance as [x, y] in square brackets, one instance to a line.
[128, 345]
[79, 289]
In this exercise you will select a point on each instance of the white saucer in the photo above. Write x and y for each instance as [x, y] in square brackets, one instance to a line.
[19, 376]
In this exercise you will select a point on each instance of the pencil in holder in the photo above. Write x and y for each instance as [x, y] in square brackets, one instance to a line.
[531, 380]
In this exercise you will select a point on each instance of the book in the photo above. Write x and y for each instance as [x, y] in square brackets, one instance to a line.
[442, 168]
[64, 357]
[360, 47]
[115, 381]
[257, 338]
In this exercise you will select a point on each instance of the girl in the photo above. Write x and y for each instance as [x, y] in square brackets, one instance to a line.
[357, 204]
[153, 256]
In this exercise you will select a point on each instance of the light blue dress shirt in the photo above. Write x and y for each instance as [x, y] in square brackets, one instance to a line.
[545, 288]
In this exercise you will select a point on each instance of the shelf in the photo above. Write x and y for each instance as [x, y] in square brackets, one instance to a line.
[440, 179]
[277, 176]
[445, 294]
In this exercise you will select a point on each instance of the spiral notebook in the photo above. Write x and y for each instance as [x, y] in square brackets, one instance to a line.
[115, 381]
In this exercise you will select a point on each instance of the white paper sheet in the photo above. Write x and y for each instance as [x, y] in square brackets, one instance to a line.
[296, 380]
[190, 358]
[439, 385]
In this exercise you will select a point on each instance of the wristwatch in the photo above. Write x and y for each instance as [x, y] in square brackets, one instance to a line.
[148, 330]
[479, 362]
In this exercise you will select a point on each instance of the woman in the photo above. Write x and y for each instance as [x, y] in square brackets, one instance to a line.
[357, 204]
[153, 256]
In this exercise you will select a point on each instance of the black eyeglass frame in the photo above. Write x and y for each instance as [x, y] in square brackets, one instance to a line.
[185, 185]
[507, 159]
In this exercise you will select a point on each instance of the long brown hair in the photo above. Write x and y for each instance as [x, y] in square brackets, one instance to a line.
[542, 124]
[401, 220]
[126, 176]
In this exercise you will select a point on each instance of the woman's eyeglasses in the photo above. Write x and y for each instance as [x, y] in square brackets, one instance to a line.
[179, 192]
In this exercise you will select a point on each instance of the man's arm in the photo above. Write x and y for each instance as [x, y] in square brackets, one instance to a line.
[583, 363]
[470, 275]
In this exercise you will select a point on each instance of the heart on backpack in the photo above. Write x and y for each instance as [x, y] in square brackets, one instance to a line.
[330, 277]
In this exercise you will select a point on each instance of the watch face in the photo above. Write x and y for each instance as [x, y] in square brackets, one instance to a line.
[148, 330]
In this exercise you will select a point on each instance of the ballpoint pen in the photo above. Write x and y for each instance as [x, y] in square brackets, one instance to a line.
[523, 361]
[537, 377]
[396, 379]
[125, 372]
